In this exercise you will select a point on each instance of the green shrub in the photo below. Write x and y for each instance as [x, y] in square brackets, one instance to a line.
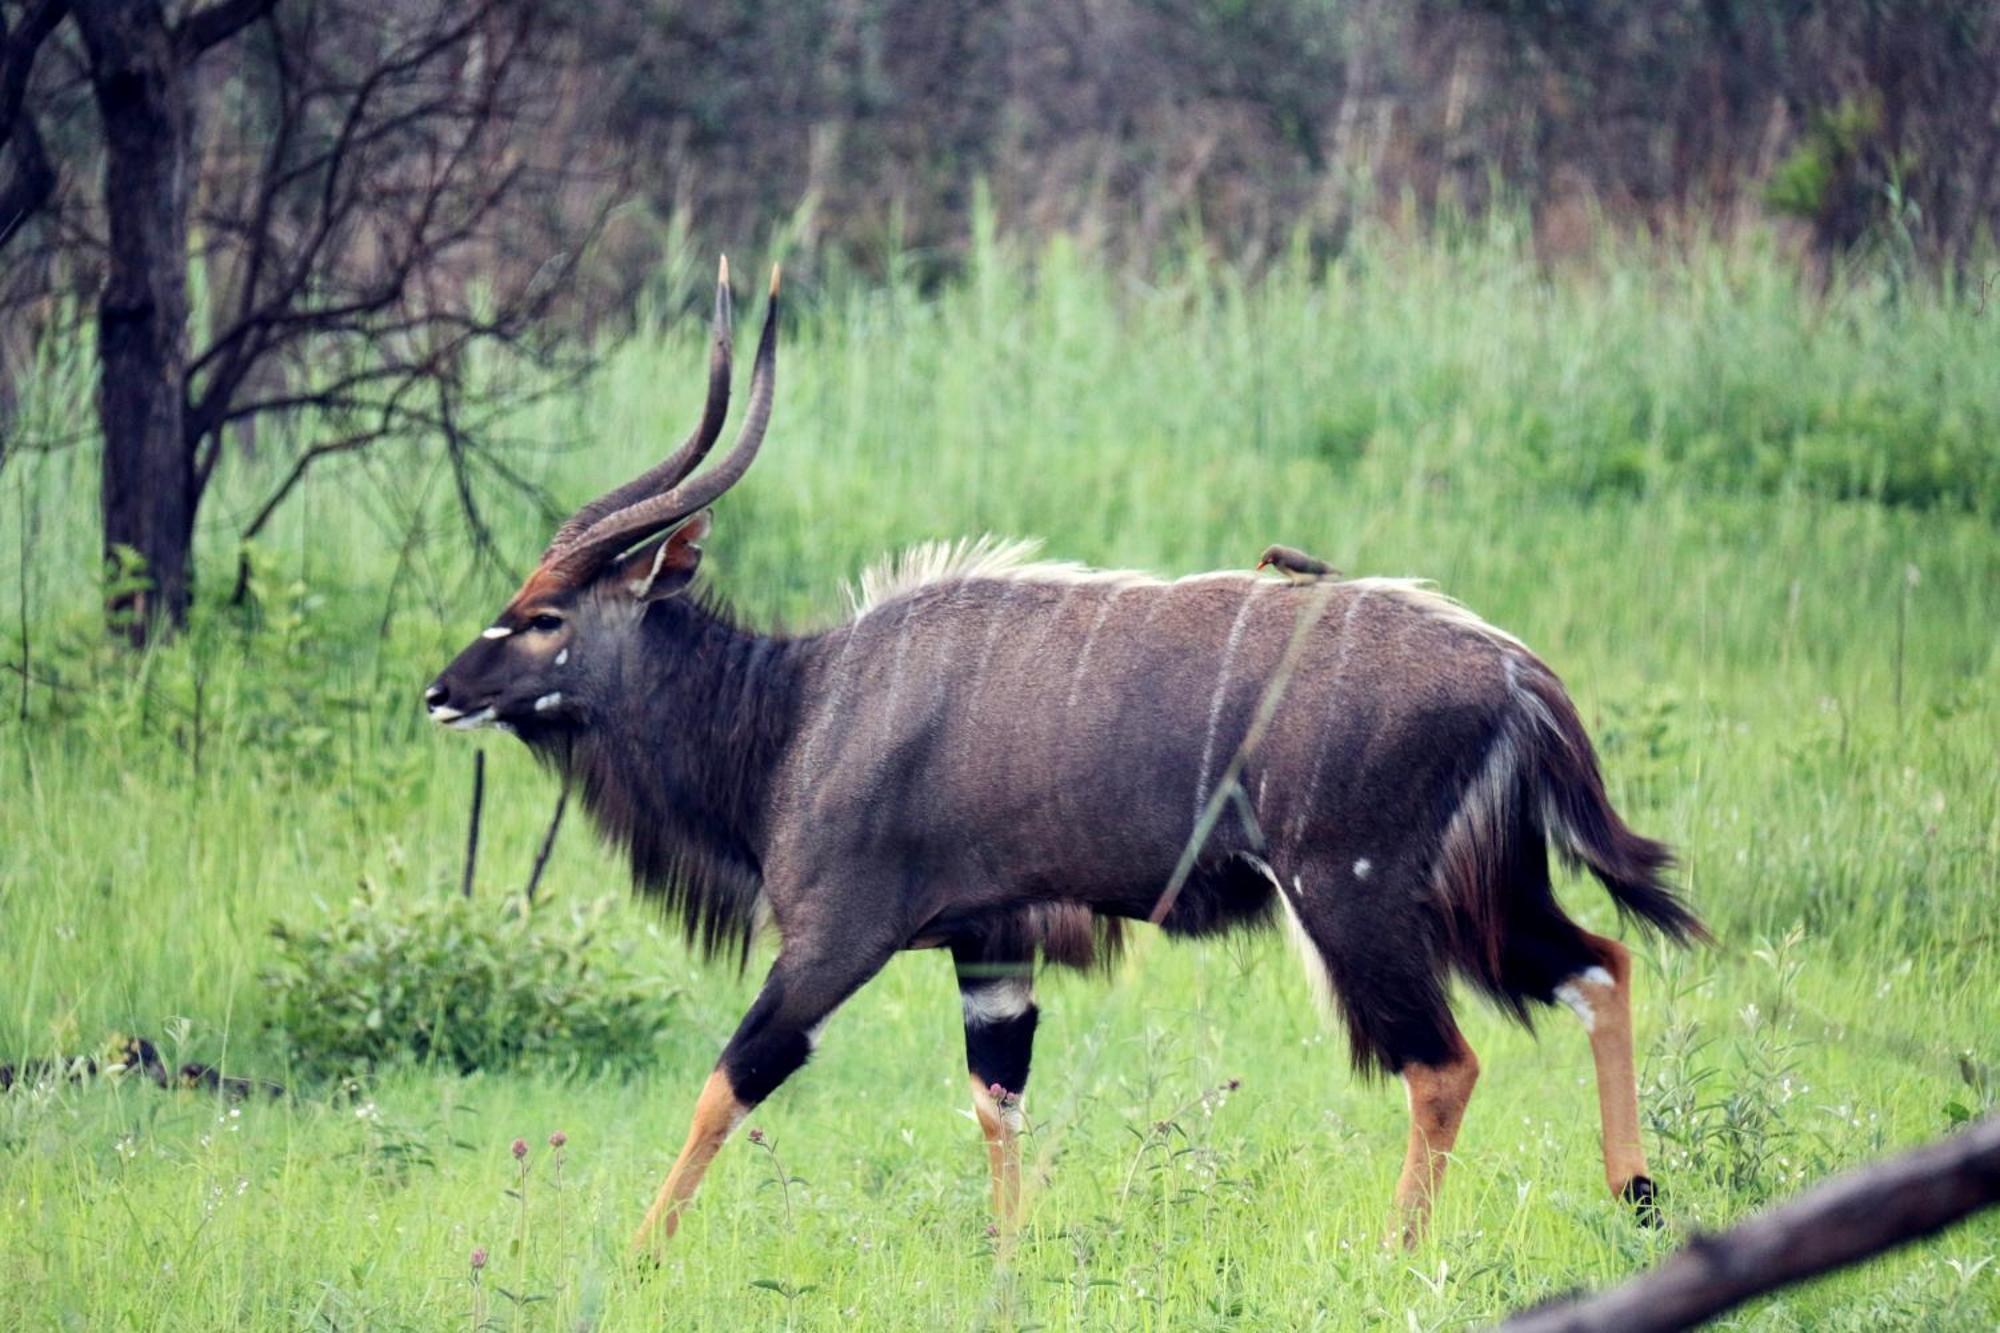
[463, 984]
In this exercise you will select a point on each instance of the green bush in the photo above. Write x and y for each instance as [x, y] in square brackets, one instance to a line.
[450, 981]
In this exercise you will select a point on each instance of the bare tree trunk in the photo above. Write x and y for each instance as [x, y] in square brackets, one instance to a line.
[148, 494]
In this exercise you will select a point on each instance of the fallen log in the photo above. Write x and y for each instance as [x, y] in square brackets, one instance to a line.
[1843, 1221]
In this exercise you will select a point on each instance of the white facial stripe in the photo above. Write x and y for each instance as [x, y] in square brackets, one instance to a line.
[497, 632]
[562, 658]
[446, 713]
[1362, 867]
[473, 721]
[548, 701]
[997, 1001]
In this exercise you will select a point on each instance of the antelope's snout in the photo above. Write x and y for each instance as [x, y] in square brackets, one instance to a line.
[452, 706]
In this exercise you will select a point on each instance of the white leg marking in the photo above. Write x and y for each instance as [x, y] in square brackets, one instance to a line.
[1362, 866]
[997, 1001]
[548, 701]
[497, 632]
[1574, 998]
[1013, 1114]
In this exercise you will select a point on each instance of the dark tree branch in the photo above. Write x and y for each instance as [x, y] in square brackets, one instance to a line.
[218, 23]
[548, 841]
[1838, 1223]
[34, 178]
[18, 50]
[472, 829]
[388, 223]
[390, 191]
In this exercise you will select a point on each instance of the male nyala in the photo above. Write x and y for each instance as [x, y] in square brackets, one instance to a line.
[1006, 759]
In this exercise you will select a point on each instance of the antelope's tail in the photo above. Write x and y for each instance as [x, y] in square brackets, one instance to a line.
[1577, 817]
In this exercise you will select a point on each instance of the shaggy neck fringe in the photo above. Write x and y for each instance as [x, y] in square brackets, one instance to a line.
[676, 771]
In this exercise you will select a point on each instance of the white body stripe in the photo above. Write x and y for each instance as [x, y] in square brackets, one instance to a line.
[1316, 974]
[1216, 700]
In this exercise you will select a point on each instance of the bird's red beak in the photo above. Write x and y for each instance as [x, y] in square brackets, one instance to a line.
[1262, 563]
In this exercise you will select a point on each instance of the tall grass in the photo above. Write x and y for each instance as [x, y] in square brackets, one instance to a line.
[1697, 486]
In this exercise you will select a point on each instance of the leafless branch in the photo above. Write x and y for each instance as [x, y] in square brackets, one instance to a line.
[472, 829]
[219, 22]
[34, 178]
[548, 842]
[395, 221]
[1841, 1222]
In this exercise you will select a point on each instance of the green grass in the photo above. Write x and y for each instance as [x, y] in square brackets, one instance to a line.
[1696, 488]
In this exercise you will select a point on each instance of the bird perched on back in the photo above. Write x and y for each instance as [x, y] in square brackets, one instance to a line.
[1296, 565]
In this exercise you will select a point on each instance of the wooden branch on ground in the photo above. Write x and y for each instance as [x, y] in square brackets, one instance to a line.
[1841, 1222]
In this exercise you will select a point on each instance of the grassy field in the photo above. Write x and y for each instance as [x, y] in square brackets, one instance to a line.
[1752, 526]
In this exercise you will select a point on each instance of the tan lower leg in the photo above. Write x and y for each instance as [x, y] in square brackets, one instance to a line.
[1001, 1126]
[1438, 1094]
[716, 1113]
[1602, 998]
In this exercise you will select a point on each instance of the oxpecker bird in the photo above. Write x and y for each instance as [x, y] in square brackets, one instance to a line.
[1296, 565]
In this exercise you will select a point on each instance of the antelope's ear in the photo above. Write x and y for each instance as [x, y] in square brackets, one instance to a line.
[664, 566]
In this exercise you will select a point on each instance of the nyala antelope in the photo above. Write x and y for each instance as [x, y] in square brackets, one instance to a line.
[1006, 759]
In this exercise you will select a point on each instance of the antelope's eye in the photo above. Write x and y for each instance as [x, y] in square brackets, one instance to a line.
[546, 623]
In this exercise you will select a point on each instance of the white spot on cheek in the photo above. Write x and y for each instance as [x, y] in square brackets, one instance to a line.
[548, 701]
[497, 632]
[562, 658]
[997, 1001]
[1362, 867]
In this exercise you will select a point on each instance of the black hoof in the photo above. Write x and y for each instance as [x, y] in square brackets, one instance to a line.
[1639, 1192]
